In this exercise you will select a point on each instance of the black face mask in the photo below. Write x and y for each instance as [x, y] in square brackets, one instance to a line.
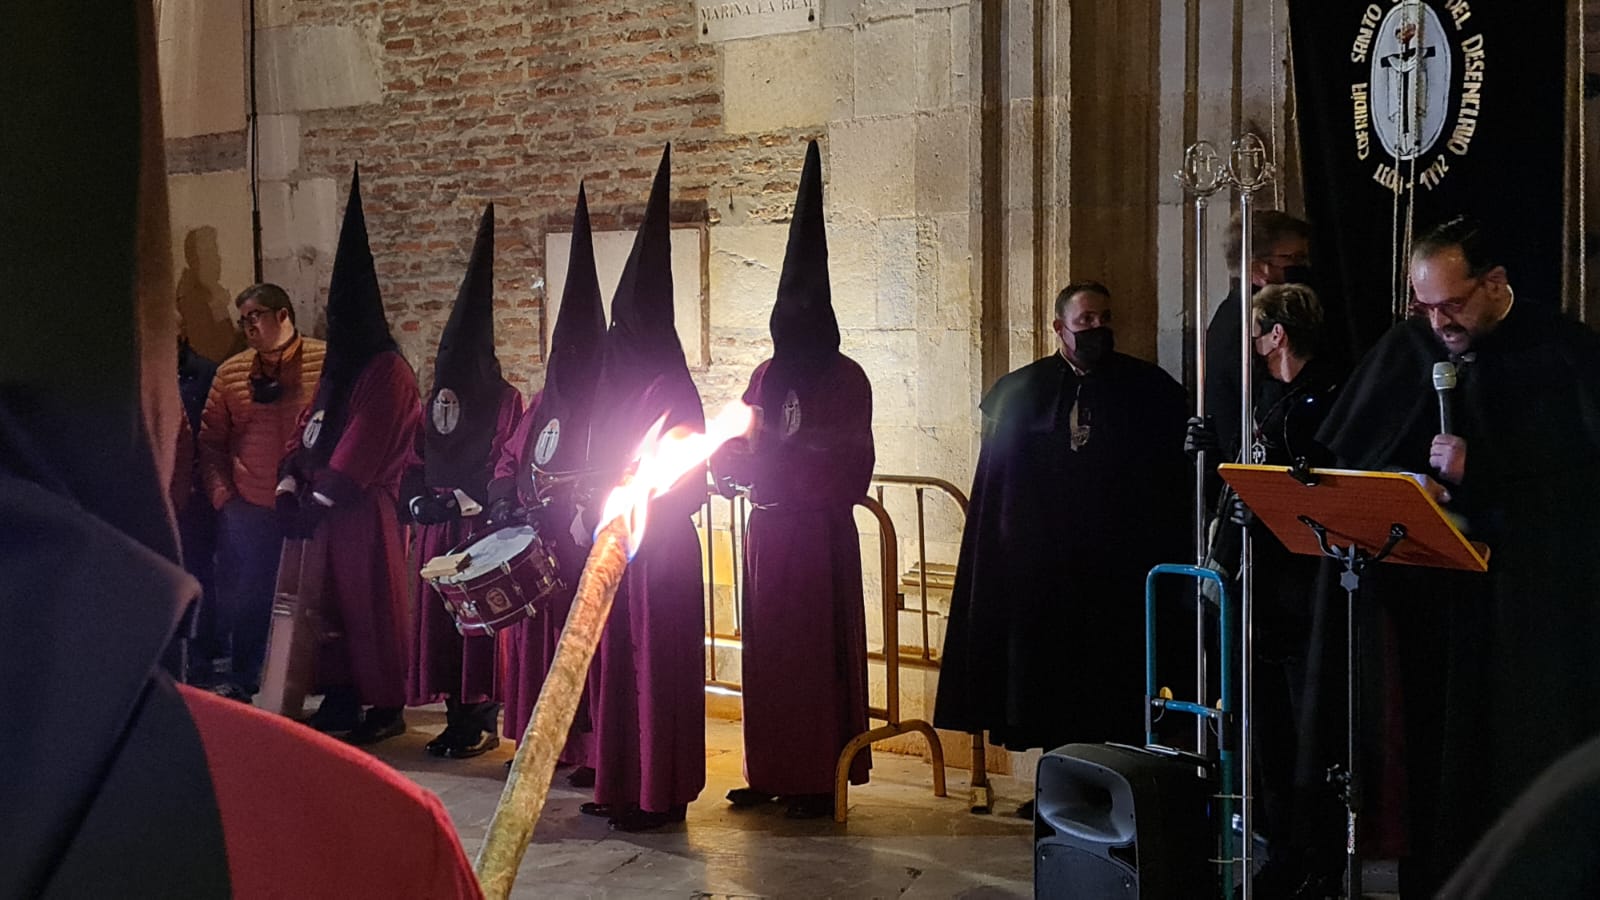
[264, 389]
[1094, 345]
[1298, 275]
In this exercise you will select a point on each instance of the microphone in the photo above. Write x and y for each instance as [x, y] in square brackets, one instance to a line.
[1444, 381]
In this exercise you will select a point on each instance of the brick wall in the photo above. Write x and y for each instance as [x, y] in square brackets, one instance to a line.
[515, 103]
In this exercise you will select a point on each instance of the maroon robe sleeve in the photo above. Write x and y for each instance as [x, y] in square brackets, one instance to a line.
[679, 401]
[514, 420]
[414, 482]
[733, 464]
[379, 440]
[828, 460]
[503, 481]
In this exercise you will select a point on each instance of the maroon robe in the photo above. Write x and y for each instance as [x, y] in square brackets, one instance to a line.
[298, 812]
[445, 663]
[365, 594]
[804, 658]
[647, 683]
[529, 647]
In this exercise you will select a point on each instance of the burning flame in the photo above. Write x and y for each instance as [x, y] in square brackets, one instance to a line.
[663, 460]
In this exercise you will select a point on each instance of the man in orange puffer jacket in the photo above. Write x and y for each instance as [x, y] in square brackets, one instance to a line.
[250, 419]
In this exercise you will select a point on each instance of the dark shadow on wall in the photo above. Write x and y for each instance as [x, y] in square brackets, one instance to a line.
[204, 304]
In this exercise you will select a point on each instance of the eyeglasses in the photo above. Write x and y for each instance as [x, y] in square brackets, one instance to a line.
[1449, 307]
[252, 317]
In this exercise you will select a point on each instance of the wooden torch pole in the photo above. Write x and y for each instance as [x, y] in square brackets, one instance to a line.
[534, 765]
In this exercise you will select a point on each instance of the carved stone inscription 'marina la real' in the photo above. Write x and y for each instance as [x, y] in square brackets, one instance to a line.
[723, 20]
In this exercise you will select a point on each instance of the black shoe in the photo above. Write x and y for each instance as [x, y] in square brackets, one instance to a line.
[810, 806]
[449, 737]
[470, 745]
[581, 777]
[230, 691]
[644, 820]
[1025, 811]
[379, 724]
[485, 716]
[746, 797]
[340, 712]
[597, 809]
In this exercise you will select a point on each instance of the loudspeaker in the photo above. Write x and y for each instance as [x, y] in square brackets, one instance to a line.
[1112, 821]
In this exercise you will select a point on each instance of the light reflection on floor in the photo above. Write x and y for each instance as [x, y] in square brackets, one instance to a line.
[900, 840]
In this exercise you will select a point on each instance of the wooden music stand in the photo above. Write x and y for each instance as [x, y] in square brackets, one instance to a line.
[1357, 519]
[297, 627]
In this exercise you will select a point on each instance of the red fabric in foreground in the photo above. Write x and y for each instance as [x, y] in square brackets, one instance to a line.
[306, 816]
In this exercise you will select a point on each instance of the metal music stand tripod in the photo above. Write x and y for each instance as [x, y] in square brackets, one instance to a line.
[1357, 519]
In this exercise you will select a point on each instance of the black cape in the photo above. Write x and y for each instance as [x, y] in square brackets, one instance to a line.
[1544, 845]
[1046, 637]
[1222, 377]
[1298, 626]
[104, 791]
[1488, 665]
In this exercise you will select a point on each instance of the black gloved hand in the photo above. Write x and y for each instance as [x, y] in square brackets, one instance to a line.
[299, 515]
[435, 507]
[287, 507]
[500, 512]
[1238, 512]
[1201, 436]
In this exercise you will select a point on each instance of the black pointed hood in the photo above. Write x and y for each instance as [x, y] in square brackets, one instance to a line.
[464, 405]
[804, 328]
[805, 332]
[559, 438]
[89, 358]
[642, 347]
[357, 327]
[642, 342]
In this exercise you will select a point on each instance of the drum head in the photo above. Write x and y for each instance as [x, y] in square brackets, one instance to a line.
[492, 551]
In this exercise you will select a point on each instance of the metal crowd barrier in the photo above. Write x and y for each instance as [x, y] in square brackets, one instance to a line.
[718, 635]
[888, 554]
[981, 799]
[738, 517]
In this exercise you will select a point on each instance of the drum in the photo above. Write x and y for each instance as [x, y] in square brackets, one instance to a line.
[507, 576]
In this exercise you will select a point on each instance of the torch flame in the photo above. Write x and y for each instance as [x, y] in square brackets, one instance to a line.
[663, 460]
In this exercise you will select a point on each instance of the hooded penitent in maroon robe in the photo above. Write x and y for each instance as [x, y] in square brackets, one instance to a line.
[358, 440]
[537, 471]
[648, 678]
[117, 783]
[446, 665]
[472, 411]
[804, 659]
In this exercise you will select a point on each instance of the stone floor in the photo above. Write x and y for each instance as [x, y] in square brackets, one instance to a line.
[901, 841]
